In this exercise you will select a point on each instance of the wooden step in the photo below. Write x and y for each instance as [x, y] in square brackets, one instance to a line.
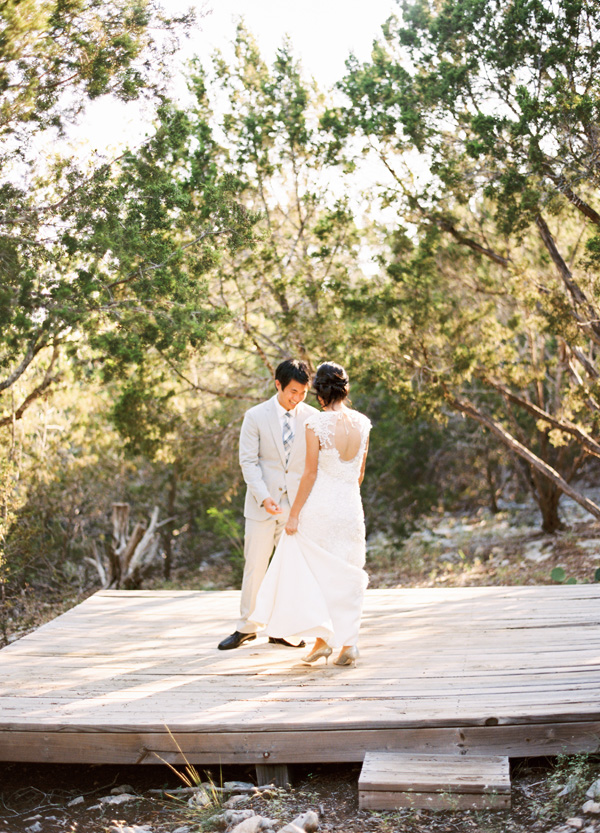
[391, 780]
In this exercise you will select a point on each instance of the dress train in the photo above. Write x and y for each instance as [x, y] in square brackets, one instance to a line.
[308, 592]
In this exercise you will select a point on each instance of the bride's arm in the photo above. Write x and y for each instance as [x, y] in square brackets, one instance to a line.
[306, 483]
[362, 468]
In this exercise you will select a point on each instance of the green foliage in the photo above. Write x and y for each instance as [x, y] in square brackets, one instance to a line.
[103, 262]
[100, 273]
[92, 47]
[401, 470]
[155, 294]
[481, 114]
[571, 777]
[559, 575]
[70, 467]
[8, 509]
[281, 295]
[141, 417]
[225, 525]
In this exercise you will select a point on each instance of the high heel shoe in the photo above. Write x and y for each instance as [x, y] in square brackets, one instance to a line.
[348, 657]
[317, 653]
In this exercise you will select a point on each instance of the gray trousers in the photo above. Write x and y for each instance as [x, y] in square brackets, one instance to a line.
[260, 540]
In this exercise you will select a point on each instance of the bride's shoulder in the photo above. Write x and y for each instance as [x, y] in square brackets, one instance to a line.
[320, 424]
[362, 419]
[315, 418]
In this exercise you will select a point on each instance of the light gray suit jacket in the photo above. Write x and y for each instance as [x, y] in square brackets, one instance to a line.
[262, 456]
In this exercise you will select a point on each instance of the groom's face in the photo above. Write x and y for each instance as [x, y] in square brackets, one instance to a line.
[293, 393]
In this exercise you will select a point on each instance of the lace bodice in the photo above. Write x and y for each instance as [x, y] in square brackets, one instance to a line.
[324, 425]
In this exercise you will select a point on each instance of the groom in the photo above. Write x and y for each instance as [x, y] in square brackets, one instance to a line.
[272, 456]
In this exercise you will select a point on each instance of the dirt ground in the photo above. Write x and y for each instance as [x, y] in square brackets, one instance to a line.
[36, 798]
[447, 550]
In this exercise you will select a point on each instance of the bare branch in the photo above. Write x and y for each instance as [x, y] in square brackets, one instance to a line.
[35, 393]
[514, 445]
[578, 296]
[32, 351]
[588, 366]
[590, 445]
[563, 186]
[446, 225]
[221, 393]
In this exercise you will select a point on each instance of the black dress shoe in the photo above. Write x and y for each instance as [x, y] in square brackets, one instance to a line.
[235, 640]
[276, 640]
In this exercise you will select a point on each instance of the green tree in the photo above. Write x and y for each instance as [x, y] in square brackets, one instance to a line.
[281, 294]
[100, 261]
[484, 118]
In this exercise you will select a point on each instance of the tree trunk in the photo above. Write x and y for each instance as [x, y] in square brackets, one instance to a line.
[141, 552]
[490, 471]
[120, 533]
[128, 557]
[548, 498]
[168, 530]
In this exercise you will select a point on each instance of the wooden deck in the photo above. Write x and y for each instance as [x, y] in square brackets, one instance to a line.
[495, 670]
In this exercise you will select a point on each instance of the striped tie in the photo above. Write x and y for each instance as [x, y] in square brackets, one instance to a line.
[288, 436]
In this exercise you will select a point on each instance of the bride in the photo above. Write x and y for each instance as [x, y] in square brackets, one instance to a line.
[315, 584]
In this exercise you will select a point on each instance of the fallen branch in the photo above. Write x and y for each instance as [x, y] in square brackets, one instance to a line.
[207, 787]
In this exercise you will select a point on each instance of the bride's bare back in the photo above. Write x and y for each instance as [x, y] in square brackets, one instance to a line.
[346, 437]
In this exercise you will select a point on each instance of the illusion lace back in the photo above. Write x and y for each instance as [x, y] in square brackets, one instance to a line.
[333, 513]
[315, 583]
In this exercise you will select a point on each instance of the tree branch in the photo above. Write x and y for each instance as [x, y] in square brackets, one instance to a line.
[514, 445]
[32, 351]
[563, 186]
[590, 445]
[194, 386]
[578, 297]
[35, 393]
[588, 366]
[155, 266]
[446, 225]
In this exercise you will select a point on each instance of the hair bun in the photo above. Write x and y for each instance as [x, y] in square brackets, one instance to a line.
[339, 383]
[331, 382]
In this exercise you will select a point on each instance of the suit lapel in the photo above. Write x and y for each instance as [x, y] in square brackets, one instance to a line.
[275, 427]
[302, 414]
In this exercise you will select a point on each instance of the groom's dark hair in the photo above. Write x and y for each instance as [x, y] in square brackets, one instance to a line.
[292, 369]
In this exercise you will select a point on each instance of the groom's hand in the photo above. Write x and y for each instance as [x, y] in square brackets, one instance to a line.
[271, 507]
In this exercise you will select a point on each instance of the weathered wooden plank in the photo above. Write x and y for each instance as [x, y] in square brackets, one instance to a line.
[379, 800]
[211, 691]
[106, 745]
[426, 773]
[277, 774]
[274, 715]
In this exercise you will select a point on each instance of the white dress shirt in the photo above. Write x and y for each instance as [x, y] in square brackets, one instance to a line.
[291, 419]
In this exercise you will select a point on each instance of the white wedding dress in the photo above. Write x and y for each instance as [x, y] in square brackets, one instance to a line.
[315, 584]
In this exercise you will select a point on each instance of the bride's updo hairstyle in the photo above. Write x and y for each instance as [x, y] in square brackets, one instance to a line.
[331, 383]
